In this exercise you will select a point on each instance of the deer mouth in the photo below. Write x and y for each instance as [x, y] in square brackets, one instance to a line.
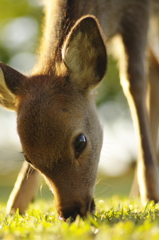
[77, 210]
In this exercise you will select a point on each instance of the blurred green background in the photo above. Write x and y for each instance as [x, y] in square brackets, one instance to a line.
[20, 31]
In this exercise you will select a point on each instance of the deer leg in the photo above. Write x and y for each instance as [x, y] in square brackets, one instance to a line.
[135, 187]
[154, 96]
[133, 80]
[24, 191]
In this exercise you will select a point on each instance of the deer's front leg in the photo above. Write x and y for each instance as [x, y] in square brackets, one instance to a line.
[24, 191]
[154, 96]
[133, 79]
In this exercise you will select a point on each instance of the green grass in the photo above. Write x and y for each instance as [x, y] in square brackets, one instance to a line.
[115, 218]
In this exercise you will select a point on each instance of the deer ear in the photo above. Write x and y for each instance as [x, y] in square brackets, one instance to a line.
[84, 53]
[10, 85]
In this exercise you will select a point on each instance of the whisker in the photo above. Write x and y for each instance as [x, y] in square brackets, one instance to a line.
[104, 189]
[30, 170]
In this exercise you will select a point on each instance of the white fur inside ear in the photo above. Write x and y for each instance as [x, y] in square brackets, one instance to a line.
[7, 99]
[80, 58]
[72, 53]
[84, 54]
[1, 77]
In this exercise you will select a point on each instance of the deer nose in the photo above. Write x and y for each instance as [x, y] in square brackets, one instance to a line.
[73, 212]
[65, 214]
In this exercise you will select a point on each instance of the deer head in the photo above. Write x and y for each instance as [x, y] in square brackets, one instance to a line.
[56, 117]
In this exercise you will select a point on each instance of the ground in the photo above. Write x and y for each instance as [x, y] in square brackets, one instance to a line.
[117, 216]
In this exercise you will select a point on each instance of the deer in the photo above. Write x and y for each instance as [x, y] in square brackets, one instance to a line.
[57, 121]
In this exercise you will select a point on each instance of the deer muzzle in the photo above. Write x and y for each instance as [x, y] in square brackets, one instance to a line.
[77, 208]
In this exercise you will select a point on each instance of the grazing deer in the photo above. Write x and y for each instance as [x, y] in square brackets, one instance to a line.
[57, 122]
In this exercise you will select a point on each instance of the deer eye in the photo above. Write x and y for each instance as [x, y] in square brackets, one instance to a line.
[80, 144]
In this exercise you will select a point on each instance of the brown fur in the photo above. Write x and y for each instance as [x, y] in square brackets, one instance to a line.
[53, 109]
[56, 103]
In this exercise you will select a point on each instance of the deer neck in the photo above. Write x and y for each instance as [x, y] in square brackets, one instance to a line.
[59, 18]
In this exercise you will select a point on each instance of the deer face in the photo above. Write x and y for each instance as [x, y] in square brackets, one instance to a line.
[57, 122]
[62, 139]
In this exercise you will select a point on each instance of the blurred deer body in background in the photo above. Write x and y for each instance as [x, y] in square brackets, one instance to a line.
[56, 117]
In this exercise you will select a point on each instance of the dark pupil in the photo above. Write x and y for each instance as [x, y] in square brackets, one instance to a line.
[80, 143]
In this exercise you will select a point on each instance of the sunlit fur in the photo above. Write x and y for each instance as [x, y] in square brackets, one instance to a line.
[56, 103]
[54, 106]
